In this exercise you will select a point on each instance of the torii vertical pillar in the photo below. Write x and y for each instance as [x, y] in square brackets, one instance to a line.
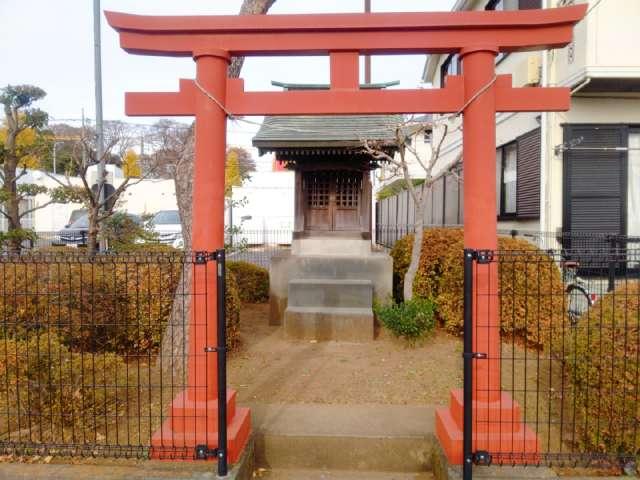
[497, 426]
[193, 416]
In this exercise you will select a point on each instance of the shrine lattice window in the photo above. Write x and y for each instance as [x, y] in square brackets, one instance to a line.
[318, 190]
[347, 190]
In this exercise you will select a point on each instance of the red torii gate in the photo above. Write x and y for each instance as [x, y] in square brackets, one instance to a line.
[477, 36]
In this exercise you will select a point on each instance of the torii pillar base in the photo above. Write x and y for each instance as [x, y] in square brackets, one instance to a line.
[190, 424]
[497, 428]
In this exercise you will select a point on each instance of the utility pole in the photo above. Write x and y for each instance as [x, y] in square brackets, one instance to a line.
[367, 58]
[84, 140]
[97, 58]
[55, 157]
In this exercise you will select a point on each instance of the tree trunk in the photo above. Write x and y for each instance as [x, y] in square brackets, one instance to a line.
[12, 204]
[92, 232]
[416, 249]
[176, 339]
[176, 336]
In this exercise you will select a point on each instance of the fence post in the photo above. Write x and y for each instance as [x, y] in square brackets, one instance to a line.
[221, 349]
[612, 264]
[467, 430]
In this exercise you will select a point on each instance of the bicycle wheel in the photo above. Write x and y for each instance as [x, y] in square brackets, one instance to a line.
[577, 302]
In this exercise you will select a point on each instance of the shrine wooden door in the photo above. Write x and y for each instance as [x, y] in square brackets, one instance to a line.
[333, 200]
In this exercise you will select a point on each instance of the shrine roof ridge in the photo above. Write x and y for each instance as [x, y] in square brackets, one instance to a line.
[326, 86]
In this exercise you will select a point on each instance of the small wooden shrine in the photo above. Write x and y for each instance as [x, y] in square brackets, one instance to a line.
[333, 182]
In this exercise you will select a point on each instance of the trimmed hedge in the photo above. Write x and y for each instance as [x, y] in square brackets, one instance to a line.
[253, 281]
[602, 355]
[531, 287]
[232, 310]
[44, 381]
[94, 307]
[118, 307]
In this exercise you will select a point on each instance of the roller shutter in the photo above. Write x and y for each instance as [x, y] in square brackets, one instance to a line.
[528, 181]
[595, 179]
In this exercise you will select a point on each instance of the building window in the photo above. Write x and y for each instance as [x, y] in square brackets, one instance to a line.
[451, 66]
[501, 5]
[513, 4]
[506, 179]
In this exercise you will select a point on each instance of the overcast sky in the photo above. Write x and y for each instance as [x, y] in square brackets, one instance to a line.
[49, 43]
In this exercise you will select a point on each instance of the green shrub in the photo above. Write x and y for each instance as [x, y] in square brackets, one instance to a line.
[395, 187]
[43, 381]
[531, 288]
[411, 320]
[120, 231]
[253, 281]
[602, 355]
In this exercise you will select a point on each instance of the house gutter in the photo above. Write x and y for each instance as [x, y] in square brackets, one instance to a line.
[544, 143]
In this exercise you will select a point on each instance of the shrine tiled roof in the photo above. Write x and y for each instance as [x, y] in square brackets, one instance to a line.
[325, 131]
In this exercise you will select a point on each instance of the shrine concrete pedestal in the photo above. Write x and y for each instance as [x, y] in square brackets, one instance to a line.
[324, 290]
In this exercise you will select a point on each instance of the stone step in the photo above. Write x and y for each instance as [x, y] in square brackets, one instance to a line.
[358, 438]
[298, 474]
[325, 324]
[332, 293]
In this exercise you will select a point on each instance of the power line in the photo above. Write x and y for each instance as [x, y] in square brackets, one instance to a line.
[592, 7]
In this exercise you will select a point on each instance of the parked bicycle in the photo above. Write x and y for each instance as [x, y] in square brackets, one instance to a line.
[579, 298]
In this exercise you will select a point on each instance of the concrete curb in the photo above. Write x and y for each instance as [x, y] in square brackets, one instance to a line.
[443, 471]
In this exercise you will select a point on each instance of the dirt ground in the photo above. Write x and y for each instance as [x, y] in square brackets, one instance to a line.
[269, 369]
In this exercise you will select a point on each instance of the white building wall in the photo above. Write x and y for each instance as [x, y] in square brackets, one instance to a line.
[268, 199]
[149, 197]
[146, 197]
[389, 173]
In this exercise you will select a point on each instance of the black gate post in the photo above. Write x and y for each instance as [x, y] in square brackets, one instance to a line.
[467, 444]
[221, 349]
[613, 264]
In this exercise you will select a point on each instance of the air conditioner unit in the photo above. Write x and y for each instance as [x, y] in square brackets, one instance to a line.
[534, 69]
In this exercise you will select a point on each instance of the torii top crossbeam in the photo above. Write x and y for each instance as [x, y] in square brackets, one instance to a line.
[374, 33]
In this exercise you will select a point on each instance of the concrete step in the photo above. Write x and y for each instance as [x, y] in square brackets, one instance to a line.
[329, 324]
[358, 438]
[297, 474]
[332, 293]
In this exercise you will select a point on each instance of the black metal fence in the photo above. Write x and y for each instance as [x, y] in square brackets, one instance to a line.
[388, 235]
[552, 358]
[255, 246]
[93, 349]
[258, 246]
